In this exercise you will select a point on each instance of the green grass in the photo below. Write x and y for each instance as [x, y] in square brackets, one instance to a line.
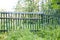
[49, 32]
[3, 36]
[22, 35]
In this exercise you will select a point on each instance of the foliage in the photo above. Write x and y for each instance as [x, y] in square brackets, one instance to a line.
[55, 4]
[46, 32]
[50, 33]
[22, 35]
[3, 36]
[27, 6]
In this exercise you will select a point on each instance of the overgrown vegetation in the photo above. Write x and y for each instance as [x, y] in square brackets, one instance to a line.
[45, 32]
[22, 35]
[48, 33]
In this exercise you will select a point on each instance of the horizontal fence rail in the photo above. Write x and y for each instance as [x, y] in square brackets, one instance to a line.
[29, 20]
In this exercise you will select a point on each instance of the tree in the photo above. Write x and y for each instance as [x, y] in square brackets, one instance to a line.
[55, 4]
[27, 6]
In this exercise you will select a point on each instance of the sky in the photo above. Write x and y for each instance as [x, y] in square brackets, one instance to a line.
[8, 4]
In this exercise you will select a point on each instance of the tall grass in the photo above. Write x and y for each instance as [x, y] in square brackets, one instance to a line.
[21, 35]
[50, 32]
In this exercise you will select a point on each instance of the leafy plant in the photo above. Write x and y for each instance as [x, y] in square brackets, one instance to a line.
[50, 33]
[22, 35]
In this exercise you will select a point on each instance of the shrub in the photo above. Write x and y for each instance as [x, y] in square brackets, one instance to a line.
[50, 34]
